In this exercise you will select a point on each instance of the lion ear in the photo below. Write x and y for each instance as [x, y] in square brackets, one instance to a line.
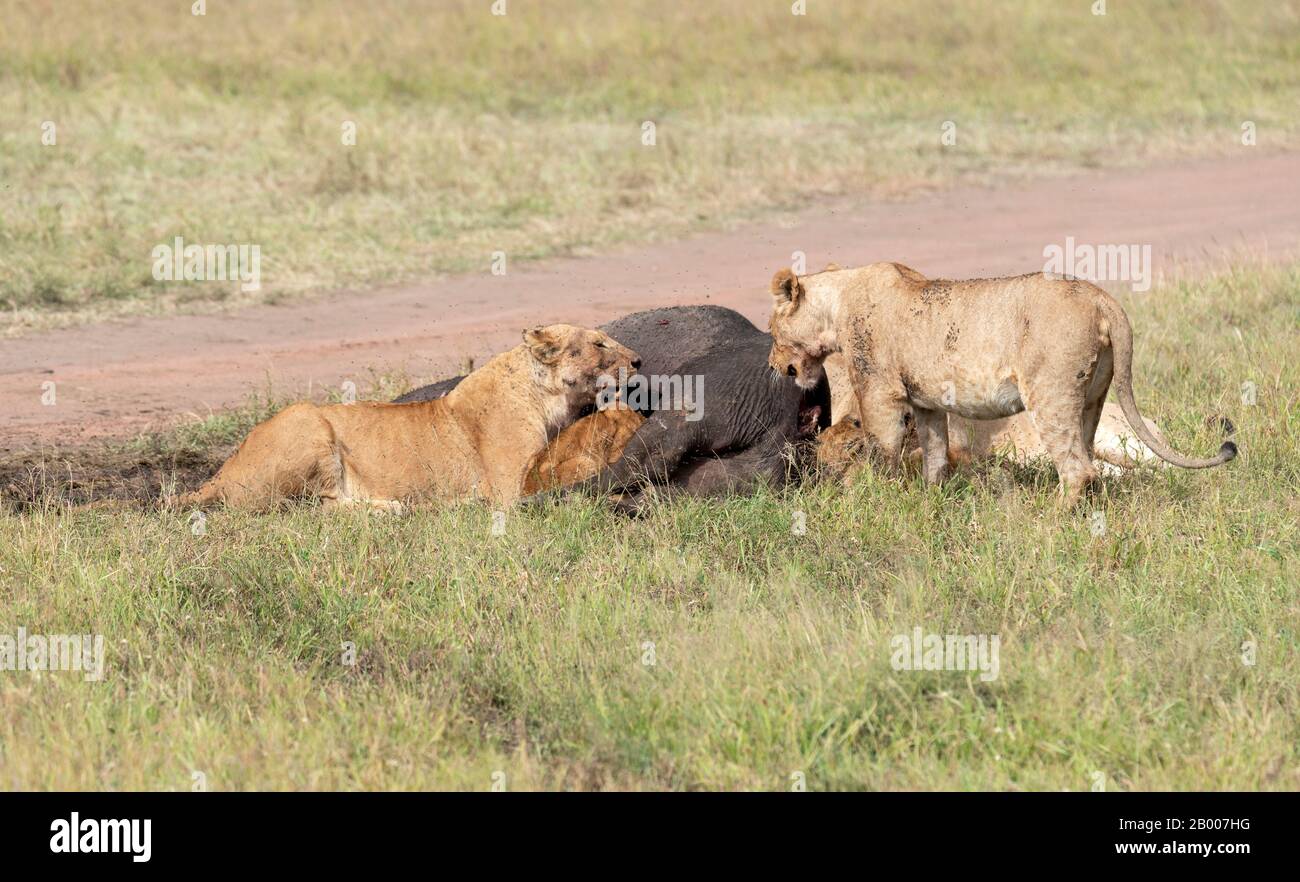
[543, 344]
[786, 288]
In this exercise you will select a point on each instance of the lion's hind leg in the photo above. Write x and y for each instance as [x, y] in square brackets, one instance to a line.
[292, 454]
[1095, 397]
[1060, 425]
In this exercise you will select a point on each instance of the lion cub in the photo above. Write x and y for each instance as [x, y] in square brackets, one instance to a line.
[478, 441]
[582, 450]
[981, 349]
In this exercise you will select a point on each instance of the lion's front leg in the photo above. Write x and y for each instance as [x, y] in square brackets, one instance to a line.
[883, 411]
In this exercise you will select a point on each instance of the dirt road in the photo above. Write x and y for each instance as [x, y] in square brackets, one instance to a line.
[117, 379]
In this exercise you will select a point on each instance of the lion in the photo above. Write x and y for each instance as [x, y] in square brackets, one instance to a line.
[582, 450]
[738, 443]
[477, 442]
[1115, 447]
[841, 449]
[981, 349]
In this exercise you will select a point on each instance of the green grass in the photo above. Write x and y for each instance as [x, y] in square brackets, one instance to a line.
[522, 133]
[523, 653]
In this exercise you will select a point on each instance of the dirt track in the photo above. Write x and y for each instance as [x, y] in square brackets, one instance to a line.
[118, 379]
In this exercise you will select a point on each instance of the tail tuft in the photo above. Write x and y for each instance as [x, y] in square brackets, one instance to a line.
[1228, 451]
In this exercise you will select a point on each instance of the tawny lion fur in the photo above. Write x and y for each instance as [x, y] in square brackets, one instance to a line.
[981, 349]
[582, 450]
[477, 442]
[1115, 446]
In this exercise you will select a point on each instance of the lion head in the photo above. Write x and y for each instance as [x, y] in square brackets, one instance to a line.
[578, 362]
[841, 446]
[801, 338]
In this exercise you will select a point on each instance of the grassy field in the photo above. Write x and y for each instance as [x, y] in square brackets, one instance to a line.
[523, 133]
[523, 659]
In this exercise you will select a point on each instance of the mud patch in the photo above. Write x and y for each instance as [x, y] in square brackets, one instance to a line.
[938, 291]
[83, 476]
[861, 345]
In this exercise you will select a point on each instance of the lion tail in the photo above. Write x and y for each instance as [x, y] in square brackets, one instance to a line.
[1121, 338]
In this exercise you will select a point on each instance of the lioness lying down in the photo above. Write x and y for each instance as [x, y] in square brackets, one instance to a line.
[735, 436]
[476, 442]
[981, 349]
